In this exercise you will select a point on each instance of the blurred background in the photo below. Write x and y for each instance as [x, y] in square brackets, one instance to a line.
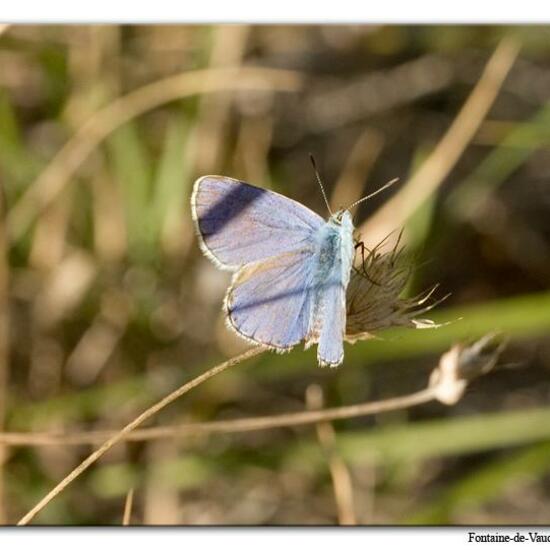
[107, 304]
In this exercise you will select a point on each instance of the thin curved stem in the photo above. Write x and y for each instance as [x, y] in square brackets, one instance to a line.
[224, 426]
[146, 415]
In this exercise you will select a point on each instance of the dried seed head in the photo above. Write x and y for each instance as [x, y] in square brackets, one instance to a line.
[373, 297]
[463, 363]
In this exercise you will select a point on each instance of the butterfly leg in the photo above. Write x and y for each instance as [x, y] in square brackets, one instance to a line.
[362, 247]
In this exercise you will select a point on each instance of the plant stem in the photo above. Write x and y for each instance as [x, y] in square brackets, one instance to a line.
[146, 415]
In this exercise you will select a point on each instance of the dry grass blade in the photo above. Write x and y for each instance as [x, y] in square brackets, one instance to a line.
[128, 508]
[146, 415]
[4, 351]
[64, 165]
[361, 159]
[339, 472]
[444, 157]
[229, 46]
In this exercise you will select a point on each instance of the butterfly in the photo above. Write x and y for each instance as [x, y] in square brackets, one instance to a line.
[291, 267]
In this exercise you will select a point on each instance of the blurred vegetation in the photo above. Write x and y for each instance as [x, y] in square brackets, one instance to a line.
[109, 304]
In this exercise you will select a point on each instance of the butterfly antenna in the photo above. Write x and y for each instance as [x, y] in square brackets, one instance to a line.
[389, 184]
[317, 175]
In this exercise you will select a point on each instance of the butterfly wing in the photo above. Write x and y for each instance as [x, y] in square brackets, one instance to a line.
[270, 302]
[240, 224]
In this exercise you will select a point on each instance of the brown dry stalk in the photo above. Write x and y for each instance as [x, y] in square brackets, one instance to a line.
[4, 349]
[128, 508]
[228, 49]
[223, 426]
[54, 178]
[146, 415]
[360, 161]
[438, 165]
[339, 471]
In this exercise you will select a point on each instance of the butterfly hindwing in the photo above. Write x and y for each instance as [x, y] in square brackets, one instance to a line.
[270, 301]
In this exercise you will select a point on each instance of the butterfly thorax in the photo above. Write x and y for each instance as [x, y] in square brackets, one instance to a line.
[333, 253]
[343, 224]
[334, 249]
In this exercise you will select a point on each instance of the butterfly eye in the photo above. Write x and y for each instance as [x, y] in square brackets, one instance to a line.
[338, 216]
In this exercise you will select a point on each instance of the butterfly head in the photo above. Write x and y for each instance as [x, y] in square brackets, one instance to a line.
[341, 214]
[341, 218]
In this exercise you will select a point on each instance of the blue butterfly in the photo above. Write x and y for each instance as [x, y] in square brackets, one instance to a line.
[291, 267]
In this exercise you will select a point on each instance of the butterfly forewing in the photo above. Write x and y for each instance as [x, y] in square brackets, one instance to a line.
[239, 224]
